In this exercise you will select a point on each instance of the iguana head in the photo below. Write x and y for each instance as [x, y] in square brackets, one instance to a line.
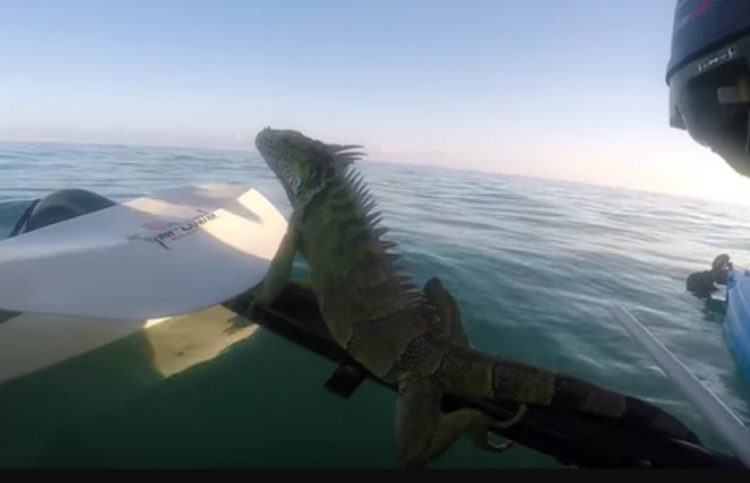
[302, 164]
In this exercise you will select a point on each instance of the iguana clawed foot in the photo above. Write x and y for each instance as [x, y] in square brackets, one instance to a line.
[514, 420]
[501, 448]
[483, 442]
[243, 303]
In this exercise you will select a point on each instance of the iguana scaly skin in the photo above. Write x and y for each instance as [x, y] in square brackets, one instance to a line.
[405, 336]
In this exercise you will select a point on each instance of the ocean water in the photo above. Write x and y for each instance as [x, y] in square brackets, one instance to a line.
[535, 266]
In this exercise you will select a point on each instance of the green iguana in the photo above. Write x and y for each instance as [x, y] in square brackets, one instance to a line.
[409, 337]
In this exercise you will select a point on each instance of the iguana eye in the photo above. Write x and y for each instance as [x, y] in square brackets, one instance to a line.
[294, 182]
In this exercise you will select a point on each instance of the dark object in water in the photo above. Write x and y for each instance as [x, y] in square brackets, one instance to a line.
[703, 284]
[576, 439]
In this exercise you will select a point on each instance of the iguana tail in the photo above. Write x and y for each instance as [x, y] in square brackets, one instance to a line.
[478, 374]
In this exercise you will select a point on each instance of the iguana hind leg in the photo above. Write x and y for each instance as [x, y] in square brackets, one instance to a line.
[418, 419]
[448, 311]
[424, 432]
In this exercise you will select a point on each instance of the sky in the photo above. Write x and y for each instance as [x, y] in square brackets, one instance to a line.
[564, 89]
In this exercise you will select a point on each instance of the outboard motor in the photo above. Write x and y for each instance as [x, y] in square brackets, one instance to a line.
[59, 206]
[709, 76]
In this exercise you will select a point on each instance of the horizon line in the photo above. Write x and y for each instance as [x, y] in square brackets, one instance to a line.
[401, 162]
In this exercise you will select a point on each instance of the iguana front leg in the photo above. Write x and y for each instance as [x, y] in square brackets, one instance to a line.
[448, 311]
[276, 278]
[279, 273]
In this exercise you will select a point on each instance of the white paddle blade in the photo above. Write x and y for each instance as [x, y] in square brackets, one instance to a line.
[178, 251]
